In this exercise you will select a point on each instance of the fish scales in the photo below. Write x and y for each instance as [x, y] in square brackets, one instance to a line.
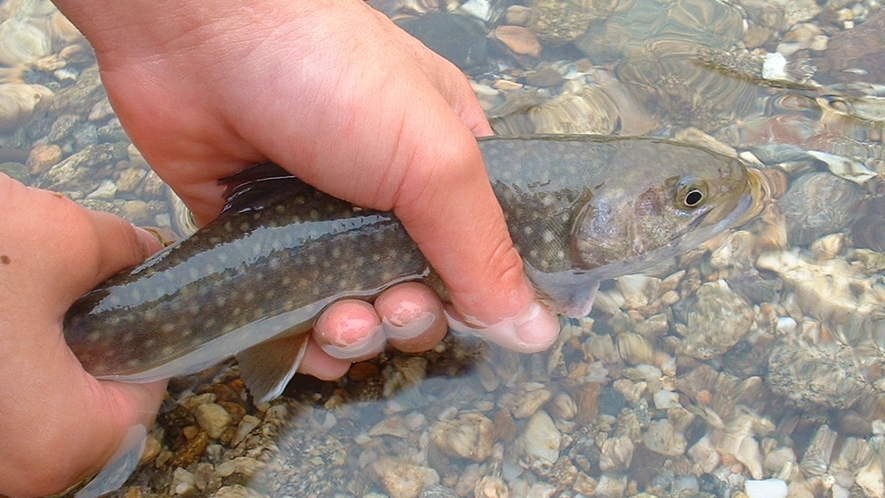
[580, 209]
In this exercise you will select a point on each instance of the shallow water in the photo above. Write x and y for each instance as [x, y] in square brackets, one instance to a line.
[758, 356]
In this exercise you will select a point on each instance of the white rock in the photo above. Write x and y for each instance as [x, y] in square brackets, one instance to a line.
[183, 482]
[611, 486]
[541, 438]
[244, 466]
[23, 42]
[768, 488]
[19, 101]
[616, 454]
[704, 454]
[786, 325]
[237, 491]
[248, 423]
[636, 289]
[481, 9]
[662, 437]
[106, 190]
[870, 478]
[748, 453]
[402, 479]
[469, 436]
[666, 399]
[213, 418]
[541, 490]
[778, 458]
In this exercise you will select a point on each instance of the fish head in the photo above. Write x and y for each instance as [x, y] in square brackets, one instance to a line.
[649, 214]
[653, 200]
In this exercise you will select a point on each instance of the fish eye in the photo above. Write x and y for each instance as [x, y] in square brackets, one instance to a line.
[690, 193]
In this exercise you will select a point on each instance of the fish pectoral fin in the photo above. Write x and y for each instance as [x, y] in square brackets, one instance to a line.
[120, 467]
[566, 293]
[266, 368]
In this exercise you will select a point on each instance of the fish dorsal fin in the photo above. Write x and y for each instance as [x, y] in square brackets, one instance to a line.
[259, 186]
[119, 468]
[266, 368]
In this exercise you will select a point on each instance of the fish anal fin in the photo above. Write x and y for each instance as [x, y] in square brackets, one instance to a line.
[266, 368]
[120, 467]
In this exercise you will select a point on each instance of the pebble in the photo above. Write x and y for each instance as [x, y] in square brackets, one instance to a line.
[403, 480]
[541, 439]
[106, 191]
[130, 178]
[246, 425]
[518, 39]
[237, 491]
[768, 488]
[62, 127]
[19, 102]
[470, 436]
[666, 399]
[611, 486]
[152, 447]
[635, 349]
[183, 482]
[244, 466]
[662, 437]
[101, 110]
[191, 451]
[616, 454]
[870, 478]
[42, 157]
[23, 42]
[718, 320]
[213, 418]
[528, 402]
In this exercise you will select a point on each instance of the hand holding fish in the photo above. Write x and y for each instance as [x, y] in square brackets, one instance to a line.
[53, 251]
[204, 91]
[342, 98]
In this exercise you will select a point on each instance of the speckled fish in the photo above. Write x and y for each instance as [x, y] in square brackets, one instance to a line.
[580, 210]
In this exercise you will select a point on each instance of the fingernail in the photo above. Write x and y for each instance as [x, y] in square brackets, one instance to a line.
[534, 329]
[148, 241]
[371, 346]
[539, 327]
[414, 328]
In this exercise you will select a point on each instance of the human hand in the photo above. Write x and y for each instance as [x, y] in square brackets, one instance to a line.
[346, 101]
[52, 252]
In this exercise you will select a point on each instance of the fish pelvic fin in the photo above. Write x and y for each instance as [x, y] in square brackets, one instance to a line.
[266, 368]
[569, 293]
[120, 467]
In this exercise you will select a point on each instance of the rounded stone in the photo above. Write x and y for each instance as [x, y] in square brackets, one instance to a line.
[213, 418]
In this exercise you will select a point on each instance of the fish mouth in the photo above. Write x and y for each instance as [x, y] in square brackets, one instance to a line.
[747, 207]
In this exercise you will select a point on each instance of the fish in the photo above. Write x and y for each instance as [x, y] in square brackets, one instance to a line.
[250, 284]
